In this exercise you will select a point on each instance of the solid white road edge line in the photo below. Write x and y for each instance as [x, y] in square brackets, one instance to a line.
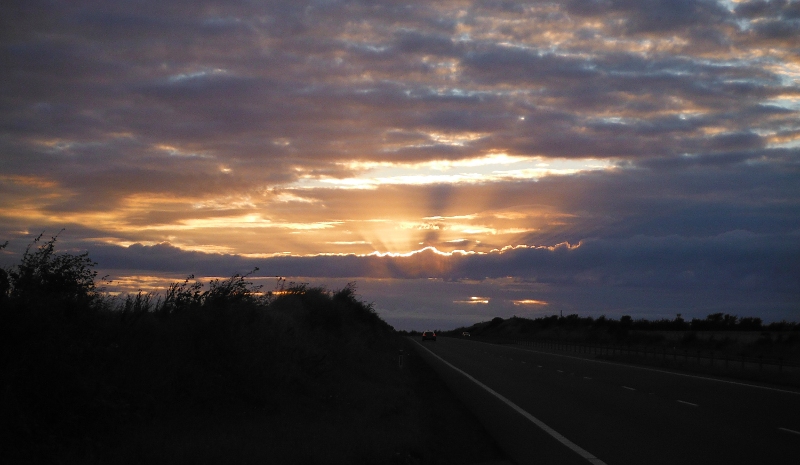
[688, 403]
[789, 430]
[555, 434]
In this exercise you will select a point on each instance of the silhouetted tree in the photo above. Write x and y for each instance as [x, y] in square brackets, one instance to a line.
[5, 284]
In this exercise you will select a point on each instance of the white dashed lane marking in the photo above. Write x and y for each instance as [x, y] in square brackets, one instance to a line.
[672, 373]
[691, 404]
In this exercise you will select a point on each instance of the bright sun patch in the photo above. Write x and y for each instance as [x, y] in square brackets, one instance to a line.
[494, 167]
[530, 302]
[473, 301]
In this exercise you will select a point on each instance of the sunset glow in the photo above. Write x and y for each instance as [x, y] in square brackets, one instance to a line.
[529, 302]
[637, 158]
[473, 301]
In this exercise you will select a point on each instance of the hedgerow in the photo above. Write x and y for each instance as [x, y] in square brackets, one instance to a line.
[76, 363]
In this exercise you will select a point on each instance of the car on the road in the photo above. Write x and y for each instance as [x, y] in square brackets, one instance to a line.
[428, 335]
[465, 334]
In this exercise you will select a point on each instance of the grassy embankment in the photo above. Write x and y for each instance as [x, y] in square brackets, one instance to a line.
[217, 374]
[669, 343]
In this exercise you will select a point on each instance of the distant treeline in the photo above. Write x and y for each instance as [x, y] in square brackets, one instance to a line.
[713, 322]
[719, 332]
[76, 363]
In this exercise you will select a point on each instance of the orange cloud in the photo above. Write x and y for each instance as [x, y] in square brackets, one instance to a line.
[529, 302]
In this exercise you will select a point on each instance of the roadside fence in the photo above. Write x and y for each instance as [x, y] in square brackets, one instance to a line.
[704, 358]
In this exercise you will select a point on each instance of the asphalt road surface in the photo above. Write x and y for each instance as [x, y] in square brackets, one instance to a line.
[550, 408]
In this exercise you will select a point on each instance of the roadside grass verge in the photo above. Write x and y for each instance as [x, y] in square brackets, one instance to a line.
[210, 374]
[732, 369]
[720, 345]
[412, 420]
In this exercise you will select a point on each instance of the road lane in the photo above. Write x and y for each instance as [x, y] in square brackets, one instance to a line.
[523, 441]
[626, 415]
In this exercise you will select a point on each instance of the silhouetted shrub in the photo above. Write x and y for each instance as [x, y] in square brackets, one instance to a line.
[45, 278]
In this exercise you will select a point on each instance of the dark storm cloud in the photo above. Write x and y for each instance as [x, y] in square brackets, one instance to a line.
[712, 84]
[649, 16]
[773, 22]
[505, 64]
[738, 260]
[778, 30]
[777, 9]
[408, 41]
[165, 257]
[702, 196]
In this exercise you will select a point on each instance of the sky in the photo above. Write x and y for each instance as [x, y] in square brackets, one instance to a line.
[457, 160]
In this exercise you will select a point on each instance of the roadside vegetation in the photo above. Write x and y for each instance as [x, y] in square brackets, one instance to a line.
[725, 338]
[747, 336]
[216, 373]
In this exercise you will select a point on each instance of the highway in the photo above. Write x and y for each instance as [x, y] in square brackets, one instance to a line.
[557, 408]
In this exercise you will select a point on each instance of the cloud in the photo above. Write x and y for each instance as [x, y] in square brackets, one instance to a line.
[736, 260]
[653, 16]
[652, 277]
[212, 133]
[509, 64]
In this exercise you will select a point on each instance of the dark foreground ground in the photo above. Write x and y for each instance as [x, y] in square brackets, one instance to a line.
[421, 422]
[212, 374]
[454, 433]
